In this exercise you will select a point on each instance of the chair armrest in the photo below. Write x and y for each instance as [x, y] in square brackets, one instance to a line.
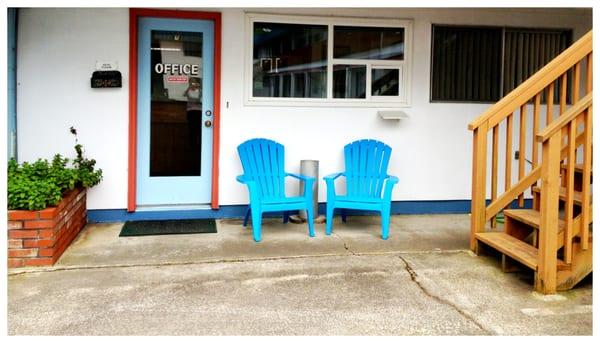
[333, 176]
[243, 179]
[330, 183]
[391, 179]
[308, 184]
[300, 177]
[390, 182]
[254, 194]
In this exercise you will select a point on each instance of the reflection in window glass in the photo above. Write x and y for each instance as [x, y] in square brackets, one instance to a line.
[375, 43]
[384, 82]
[176, 103]
[289, 60]
[349, 81]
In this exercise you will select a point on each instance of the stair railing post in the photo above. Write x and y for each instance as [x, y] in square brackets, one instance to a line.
[545, 280]
[478, 190]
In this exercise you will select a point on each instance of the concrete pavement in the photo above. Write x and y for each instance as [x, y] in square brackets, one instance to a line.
[422, 281]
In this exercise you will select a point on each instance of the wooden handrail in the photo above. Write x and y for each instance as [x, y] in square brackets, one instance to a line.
[508, 196]
[535, 83]
[566, 118]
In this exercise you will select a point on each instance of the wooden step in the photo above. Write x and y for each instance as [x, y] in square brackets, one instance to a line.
[511, 246]
[516, 249]
[578, 167]
[530, 217]
[562, 194]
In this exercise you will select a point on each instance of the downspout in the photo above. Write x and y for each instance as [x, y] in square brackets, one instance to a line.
[12, 83]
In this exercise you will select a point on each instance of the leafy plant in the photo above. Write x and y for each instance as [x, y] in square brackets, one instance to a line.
[86, 175]
[28, 188]
[37, 185]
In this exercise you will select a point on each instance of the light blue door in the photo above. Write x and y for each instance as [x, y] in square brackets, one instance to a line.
[175, 105]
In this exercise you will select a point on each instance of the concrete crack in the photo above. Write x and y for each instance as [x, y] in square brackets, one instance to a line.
[345, 245]
[413, 277]
[225, 260]
[161, 264]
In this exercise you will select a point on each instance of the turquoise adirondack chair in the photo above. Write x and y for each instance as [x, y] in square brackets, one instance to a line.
[366, 175]
[262, 161]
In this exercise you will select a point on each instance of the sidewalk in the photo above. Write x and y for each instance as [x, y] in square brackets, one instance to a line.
[422, 281]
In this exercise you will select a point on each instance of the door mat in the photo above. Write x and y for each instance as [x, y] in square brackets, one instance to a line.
[168, 227]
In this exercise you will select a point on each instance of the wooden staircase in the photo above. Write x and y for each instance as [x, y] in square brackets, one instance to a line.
[554, 238]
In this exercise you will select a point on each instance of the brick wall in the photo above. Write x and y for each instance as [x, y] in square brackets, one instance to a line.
[38, 238]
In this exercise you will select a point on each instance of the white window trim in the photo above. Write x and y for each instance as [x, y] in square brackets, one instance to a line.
[370, 101]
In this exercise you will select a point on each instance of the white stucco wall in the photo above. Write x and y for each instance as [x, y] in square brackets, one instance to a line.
[58, 49]
[57, 52]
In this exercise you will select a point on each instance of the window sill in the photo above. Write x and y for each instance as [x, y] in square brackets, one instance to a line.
[327, 103]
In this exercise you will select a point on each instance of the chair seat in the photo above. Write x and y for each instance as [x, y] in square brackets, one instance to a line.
[354, 198]
[285, 200]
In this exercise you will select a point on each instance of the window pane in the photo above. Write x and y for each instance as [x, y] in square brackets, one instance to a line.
[384, 82]
[349, 81]
[289, 60]
[466, 63]
[376, 43]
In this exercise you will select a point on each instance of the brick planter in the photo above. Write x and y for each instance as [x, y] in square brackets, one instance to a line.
[38, 238]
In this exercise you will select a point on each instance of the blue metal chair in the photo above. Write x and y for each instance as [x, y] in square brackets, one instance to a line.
[262, 161]
[366, 175]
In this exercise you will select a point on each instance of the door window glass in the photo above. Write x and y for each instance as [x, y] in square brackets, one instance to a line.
[176, 103]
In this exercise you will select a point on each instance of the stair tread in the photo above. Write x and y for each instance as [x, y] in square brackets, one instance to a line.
[511, 246]
[562, 265]
[578, 167]
[562, 193]
[530, 217]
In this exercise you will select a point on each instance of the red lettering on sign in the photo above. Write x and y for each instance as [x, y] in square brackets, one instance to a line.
[177, 79]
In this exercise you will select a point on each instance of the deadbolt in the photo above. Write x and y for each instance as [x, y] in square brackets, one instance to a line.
[208, 123]
[208, 113]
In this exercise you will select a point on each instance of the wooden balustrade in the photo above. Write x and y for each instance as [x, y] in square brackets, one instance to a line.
[559, 139]
[551, 138]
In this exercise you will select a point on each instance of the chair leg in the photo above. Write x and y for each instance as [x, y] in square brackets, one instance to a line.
[310, 220]
[329, 219]
[256, 223]
[246, 217]
[343, 215]
[385, 222]
[286, 216]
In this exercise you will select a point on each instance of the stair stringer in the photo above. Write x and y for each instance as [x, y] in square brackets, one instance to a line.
[581, 266]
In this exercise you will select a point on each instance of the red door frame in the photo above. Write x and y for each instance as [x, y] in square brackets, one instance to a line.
[134, 14]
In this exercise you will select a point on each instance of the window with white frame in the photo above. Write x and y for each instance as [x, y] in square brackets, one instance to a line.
[327, 61]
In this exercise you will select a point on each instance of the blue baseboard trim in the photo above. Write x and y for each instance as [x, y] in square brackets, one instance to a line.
[238, 211]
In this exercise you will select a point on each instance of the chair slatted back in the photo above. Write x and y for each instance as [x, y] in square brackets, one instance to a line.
[366, 163]
[263, 162]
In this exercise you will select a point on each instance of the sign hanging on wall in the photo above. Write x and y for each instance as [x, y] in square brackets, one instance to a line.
[107, 65]
[106, 79]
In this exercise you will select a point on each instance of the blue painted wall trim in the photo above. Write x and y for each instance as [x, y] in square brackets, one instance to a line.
[238, 211]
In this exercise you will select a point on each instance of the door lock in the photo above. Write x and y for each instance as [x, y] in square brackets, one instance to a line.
[208, 123]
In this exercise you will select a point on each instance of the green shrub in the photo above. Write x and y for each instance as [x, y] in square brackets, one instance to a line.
[29, 189]
[37, 185]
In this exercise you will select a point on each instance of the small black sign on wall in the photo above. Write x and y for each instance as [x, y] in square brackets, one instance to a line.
[106, 79]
